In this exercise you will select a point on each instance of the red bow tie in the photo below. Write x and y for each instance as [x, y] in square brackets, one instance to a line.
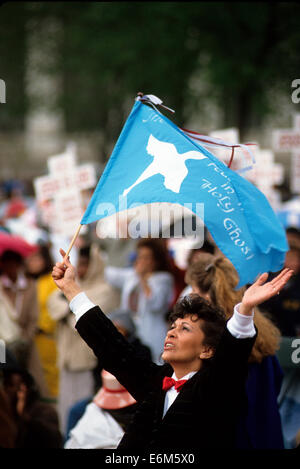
[169, 382]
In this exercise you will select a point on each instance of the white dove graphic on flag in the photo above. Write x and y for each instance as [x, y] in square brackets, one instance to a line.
[167, 162]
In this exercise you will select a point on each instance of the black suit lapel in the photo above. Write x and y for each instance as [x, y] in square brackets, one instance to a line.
[161, 394]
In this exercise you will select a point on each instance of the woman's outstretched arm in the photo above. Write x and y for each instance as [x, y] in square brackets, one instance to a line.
[135, 372]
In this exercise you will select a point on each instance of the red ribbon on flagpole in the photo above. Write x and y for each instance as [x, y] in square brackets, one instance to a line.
[213, 141]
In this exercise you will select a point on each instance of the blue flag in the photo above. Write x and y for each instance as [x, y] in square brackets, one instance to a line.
[155, 161]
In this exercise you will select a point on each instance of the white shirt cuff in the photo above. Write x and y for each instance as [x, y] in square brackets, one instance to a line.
[80, 304]
[241, 326]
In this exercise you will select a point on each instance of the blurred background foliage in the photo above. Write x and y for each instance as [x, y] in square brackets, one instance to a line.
[107, 52]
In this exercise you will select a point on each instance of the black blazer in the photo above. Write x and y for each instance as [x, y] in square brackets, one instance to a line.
[205, 412]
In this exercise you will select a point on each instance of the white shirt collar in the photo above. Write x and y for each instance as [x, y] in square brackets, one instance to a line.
[187, 376]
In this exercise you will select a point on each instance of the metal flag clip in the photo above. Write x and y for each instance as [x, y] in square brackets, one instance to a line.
[152, 100]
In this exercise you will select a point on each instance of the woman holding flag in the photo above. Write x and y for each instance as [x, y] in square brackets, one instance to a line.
[193, 400]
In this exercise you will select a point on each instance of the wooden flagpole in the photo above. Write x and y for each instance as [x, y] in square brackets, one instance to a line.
[72, 242]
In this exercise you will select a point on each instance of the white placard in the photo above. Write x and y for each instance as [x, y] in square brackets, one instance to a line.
[287, 140]
[295, 172]
[59, 193]
[265, 174]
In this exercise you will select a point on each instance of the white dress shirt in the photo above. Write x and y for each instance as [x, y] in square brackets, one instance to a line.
[239, 325]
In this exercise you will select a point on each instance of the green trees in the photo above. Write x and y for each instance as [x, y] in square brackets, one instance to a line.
[12, 66]
[110, 51]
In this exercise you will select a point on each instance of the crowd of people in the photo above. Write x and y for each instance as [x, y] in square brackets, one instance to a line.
[60, 382]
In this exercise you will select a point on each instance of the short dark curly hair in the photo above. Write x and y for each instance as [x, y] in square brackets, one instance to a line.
[213, 319]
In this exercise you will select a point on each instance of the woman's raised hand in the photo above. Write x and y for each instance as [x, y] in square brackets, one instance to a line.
[262, 290]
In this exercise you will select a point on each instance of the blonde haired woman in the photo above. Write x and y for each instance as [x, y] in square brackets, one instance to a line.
[215, 279]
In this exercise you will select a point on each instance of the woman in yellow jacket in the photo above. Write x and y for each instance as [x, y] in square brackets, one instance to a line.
[39, 266]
